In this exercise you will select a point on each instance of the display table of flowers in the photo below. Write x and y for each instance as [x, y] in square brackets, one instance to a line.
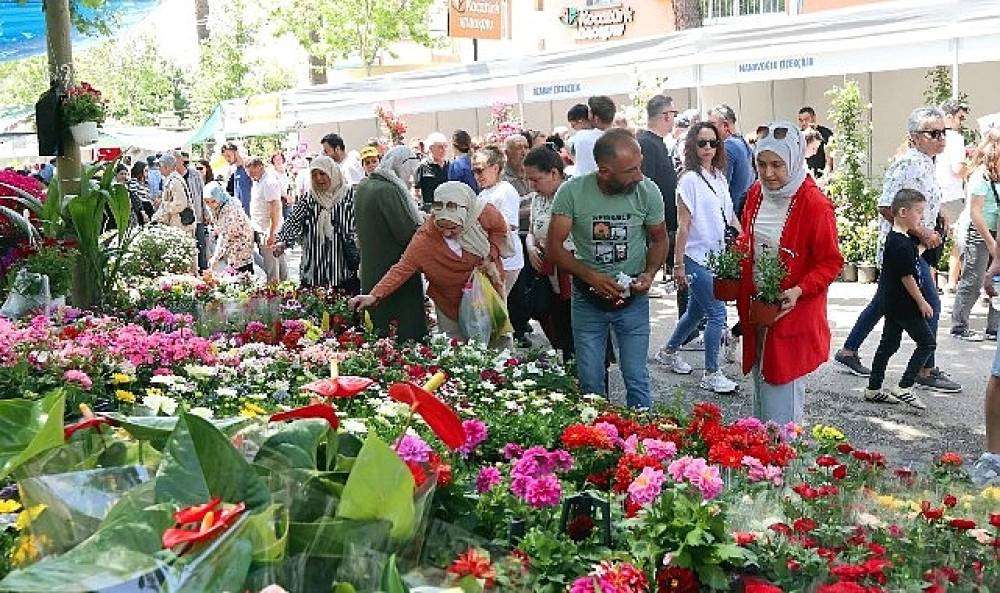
[220, 436]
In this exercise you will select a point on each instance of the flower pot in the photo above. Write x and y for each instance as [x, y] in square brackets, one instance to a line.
[867, 273]
[849, 273]
[85, 132]
[763, 314]
[726, 289]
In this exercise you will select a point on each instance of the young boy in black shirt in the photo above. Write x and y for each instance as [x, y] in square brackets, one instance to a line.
[905, 307]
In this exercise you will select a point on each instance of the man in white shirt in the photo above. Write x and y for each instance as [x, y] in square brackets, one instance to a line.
[951, 170]
[265, 217]
[581, 143]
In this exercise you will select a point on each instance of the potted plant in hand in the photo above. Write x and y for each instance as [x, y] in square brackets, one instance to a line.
[725, 267]
[766, 303]
[83, 109]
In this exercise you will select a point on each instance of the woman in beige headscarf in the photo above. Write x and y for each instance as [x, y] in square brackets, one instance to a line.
[323, 222]
[462, 234]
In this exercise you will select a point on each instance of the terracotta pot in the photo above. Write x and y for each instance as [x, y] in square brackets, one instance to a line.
[726, 289]
[849, 273]
[867, 274]
[763, 314]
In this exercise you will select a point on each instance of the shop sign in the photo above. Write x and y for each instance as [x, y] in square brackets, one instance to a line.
[552, 90]
[598, 24]
[776, 65]
[475, 19]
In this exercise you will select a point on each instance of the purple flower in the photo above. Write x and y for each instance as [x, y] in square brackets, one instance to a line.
[413, 449]
[487, 479]
[543, 492]
[512, 450]
[475, 433]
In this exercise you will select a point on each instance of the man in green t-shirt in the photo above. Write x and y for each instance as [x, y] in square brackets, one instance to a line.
[615, 216]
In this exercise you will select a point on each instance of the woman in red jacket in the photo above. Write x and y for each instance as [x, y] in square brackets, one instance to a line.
[787, 213]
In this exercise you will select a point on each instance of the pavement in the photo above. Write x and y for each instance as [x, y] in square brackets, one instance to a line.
[952, 422]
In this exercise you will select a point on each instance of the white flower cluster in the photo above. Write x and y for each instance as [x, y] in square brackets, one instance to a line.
[157, 250]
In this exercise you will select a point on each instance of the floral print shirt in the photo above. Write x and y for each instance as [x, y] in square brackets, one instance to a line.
[912, 170]
[235, 242]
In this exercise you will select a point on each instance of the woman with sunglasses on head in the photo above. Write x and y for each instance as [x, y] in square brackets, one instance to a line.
[387, 218]
[704, 213]
[463, 233]
[787, 214]
[205, 169]
[487, 166]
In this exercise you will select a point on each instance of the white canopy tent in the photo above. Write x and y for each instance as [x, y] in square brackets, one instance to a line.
[871, 38]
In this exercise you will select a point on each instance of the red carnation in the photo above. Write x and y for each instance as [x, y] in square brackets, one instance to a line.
[844, 448]
[826, 461]
[951, 458]
[804, 525]
[840, 472]
[949, 500]
[962, 524]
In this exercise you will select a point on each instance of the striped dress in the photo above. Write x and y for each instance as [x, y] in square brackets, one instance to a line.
[322, 258]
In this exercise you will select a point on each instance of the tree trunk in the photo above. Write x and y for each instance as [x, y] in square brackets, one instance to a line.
[201, 19]
[317, 69]
[60, 53]
[687, 14]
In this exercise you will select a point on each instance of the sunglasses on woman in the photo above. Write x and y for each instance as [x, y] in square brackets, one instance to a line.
[779, 133]
[932, 134]
[704, 143]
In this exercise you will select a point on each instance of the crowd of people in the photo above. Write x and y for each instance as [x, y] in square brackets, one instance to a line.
[574, 229]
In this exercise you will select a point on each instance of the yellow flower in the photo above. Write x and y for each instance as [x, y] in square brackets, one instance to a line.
[25, 517]
[26, 552]
[125, 396]
[154, 391]
[121, 379]
[888, 501]
[826, 433]
[991, 493]
[9, 506]
[251, 410]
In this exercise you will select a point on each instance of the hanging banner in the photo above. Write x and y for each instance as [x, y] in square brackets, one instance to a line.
[475, 19]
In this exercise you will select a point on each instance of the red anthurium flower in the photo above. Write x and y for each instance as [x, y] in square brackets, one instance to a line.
[324, 411]
[92, 422]
[442, 419]
[197, 512]
[209, 529]
[340, 387]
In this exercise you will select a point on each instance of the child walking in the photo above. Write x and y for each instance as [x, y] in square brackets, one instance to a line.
[905, 307]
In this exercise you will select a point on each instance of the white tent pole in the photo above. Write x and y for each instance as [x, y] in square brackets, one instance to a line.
[954, 69]
[520, 102]
[699, 95]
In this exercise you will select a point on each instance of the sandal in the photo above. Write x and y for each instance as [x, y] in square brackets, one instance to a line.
[877, 396]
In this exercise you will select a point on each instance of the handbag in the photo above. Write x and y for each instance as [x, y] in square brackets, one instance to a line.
[187, 214]
[348, 247]
[538, 295]
[731, 233]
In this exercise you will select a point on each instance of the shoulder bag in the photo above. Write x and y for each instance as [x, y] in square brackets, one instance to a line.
[348, 244]
[731, 232]
[187, 214]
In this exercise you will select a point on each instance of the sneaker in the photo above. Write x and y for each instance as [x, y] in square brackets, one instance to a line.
[905, 395]
[938, 381]
[878, 396]
[991, 336]
[732, 347]
[673, 360]
[656, 292]
[986, 470]
[695, 344]
[717, 382]
[968, 335]
[851, 363]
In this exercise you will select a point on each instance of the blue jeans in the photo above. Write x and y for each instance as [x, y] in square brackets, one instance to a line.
[702, 304]
[590, 340]
[871, 315]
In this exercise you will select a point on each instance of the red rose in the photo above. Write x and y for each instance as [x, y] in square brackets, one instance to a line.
[950, 501]
[744, 539]
[804, 525]
[962, 524]
[848, 572]
[840, 472]
[781, 528]
[756, 585]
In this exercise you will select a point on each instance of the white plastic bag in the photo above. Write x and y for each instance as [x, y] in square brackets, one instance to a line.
[30, 292]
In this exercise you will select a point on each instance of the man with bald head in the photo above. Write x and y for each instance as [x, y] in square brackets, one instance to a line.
[615, 217]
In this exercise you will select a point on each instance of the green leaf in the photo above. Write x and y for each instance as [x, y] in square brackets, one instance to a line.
[380, 487]
[295, 444]
[157, 429]
[331, 538]
[391, 581]
[199, 463]
[121, 207]
[29, 427]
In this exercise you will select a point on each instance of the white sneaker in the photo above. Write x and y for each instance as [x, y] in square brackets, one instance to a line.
[695, 345]
[717, 382]
[907, 396]
[672, 360]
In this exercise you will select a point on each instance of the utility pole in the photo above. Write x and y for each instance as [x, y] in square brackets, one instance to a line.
[58, 25]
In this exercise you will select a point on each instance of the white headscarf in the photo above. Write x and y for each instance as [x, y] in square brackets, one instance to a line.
[329, 198]
[398, 166]
[790, 149]
[473, 238]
